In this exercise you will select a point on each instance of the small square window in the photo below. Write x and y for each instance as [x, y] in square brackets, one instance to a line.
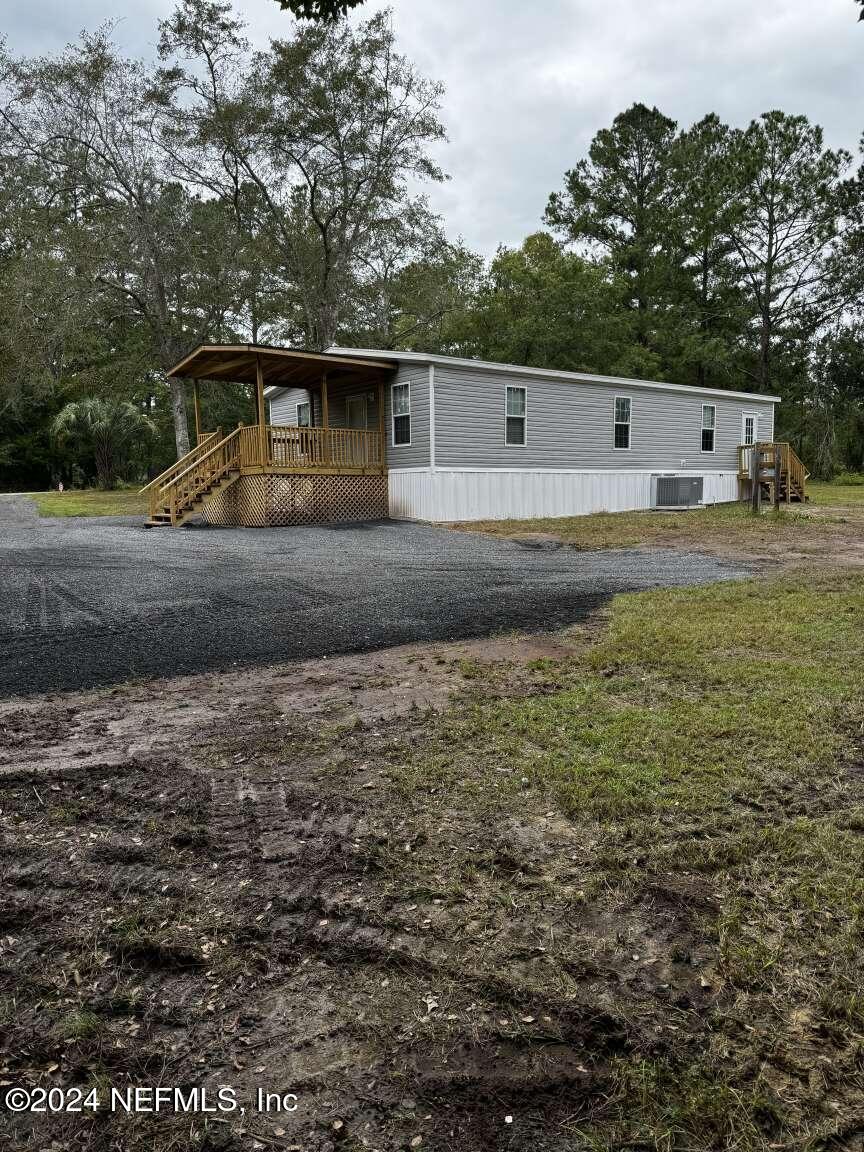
[516, 416]
[304, 414]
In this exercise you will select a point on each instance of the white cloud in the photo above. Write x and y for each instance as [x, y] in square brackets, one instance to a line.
[529, 84]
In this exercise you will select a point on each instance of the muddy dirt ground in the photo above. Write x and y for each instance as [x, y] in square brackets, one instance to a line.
[232, 880]
[195, 893]
[198, 890]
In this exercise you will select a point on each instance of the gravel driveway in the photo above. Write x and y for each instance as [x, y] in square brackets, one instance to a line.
[85, 602]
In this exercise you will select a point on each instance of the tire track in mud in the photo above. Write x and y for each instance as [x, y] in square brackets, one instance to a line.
[261, 905]
[304, 848]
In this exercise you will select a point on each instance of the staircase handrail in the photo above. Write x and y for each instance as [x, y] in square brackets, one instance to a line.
[226, 467]
[178, 466]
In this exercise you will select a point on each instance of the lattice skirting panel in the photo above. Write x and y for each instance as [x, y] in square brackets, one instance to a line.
[272, 501]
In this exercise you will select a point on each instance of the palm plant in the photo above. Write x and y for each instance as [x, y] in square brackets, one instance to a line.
[109, 429]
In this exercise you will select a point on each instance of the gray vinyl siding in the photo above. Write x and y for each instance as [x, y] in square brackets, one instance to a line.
[415, 454]
[283, 406]
[570, 424]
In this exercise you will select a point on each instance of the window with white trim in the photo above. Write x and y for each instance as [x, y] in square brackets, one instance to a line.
[709, 424]
[401, 404]
[304, 414]
[750, 426]
[622, 421]
[516, 416]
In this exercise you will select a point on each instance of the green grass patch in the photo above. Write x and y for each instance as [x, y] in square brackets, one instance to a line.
[90, 502]
[690, 700]
[847, 492]
[728, 522]
[710, 741]
[733, 525]
[735, 709]
[79, 1025]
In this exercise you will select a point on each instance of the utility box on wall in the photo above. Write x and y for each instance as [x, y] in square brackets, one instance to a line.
[678, 491]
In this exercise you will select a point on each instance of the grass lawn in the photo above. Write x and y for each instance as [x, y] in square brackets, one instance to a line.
[705, 754]
[848, 495]
[724, 527]
[90, 502]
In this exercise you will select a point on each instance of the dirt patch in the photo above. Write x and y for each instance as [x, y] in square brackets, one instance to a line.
[110, 726]
[235, 882]
[193, 894]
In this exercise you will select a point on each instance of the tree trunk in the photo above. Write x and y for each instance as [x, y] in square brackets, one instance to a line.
[326, 324]
[765, 355]
[704, 324]
[104, 458]
[178, 411]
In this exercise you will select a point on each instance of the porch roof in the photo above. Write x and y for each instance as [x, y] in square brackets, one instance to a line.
[280, 367]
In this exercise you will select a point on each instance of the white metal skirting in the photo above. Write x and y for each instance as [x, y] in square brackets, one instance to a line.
[474, 494]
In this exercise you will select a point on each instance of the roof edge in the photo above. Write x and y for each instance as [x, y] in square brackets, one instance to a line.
[548, 373]
[281, 350]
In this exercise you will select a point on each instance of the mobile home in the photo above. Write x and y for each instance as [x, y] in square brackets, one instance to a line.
[355, 433]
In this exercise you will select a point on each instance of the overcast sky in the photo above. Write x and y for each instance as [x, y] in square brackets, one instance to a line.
[528, 84]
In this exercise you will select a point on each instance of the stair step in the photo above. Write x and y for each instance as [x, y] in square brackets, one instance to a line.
[186, 503]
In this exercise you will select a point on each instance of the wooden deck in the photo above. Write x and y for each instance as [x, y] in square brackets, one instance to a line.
[217, 462]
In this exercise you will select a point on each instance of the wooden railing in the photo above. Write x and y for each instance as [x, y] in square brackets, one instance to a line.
[310, 449]
[745, 453]
[284, 447]
[792, 470]
[250, 447]
[798, 474]
[181, 490]
[205, 440]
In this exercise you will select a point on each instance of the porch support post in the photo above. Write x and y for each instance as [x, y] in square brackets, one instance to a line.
[325, 417]
[196, 399]
[381, 437]
[756, 477]
[262, 420]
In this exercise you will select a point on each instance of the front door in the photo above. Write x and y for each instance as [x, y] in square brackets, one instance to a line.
[355, 412]
[749, 436]
[355, 418]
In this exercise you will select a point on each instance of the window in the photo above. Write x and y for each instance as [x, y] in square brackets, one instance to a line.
[622, 421]
[304, 414]
[709, 420]
[516, 416]
[749, 434]
[401, 396]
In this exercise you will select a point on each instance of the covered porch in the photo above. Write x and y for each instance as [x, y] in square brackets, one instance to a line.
[264, 473]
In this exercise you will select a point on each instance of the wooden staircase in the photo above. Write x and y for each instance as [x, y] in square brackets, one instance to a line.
[179, 493]
[782, 477]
